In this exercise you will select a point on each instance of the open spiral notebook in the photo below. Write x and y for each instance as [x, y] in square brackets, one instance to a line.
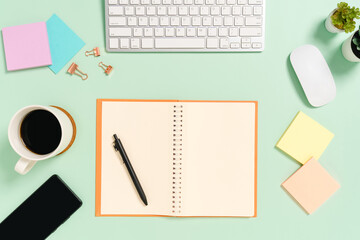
[193, 158]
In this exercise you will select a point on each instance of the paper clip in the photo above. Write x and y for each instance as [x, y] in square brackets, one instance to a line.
[107, 68]
[95, 52]
[72, 70]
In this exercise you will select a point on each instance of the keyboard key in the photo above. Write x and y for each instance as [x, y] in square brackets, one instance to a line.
[177, 2]
[185, 21]
[236, 11]
[151, 11]
[112, 2]
[209, 2]
[183, 11]
[242, 2]
[204, 11]
[156, 2]
[124, 43]
[117, 21]
[154, 21]
[148, 32]
[166, 2]
[143, 21]
[135, 43]
[220, 2]
[159, 32]
[180, 43]
[138, 32]
[196, 21]
[207, 21]
[239, 21]
[212, 43]
[224, 43]
[190, 32]
[228, 21]
[218, 21]
[223, 32]
[147, 43]
[257, 10]
[188, 2]
[253, 21]
[129, 11]
[161, 11]
[123, 2]
[255, 2]
[120, 32]
[256, 45]
[247, 10]
[164, 21]
[132, 21]
[134, 2]
[194, 11]
[226, 11]
[114, 43]
[180, 32]
[172, 11]
[174, 21]
[118, 10]
[145, 2]
[140, 11]
[234, 45]
[201, 32]
[212, 32]
[245, 40]
[234, 32]
[250, 32]
[215, 11]
[245, 45]
[170, 32]
[199, 2]
[231, 2]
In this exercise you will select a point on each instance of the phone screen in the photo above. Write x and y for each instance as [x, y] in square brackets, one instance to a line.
[41, 213]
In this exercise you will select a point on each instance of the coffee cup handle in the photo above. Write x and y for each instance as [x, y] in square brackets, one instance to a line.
[24, 165]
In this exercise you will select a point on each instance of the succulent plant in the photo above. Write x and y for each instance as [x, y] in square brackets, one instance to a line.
[343, 17]
[356, 40]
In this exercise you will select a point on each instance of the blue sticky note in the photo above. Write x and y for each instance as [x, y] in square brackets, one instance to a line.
[64, 43]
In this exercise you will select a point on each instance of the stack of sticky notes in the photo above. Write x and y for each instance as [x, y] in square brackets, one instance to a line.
[50, 43]
[305, 140]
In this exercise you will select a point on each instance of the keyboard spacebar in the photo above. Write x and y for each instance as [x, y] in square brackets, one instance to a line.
[179, 43]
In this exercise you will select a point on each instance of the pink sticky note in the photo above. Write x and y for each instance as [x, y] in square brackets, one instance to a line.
[311, 185]
[26, 46]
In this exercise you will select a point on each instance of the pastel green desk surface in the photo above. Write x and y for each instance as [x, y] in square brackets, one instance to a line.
[267, 77]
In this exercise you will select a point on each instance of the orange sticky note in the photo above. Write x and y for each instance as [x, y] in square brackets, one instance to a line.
[311, 185]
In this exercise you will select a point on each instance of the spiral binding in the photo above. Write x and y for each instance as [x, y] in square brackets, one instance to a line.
[177, 158]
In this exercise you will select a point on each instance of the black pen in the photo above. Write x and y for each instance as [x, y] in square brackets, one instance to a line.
[119, 147]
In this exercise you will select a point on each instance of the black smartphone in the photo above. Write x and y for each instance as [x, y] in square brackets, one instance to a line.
[41, 213]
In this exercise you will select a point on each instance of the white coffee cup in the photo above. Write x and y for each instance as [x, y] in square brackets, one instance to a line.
[29, 158]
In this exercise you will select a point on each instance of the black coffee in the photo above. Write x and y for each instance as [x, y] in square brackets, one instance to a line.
[40, 131]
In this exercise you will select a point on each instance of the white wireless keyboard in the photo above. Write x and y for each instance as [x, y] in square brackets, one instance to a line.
[185, 25]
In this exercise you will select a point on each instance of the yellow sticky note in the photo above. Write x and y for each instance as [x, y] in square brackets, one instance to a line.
[305, 138]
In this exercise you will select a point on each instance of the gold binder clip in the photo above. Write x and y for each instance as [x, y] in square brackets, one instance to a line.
[107, 68]
[72, 70]
[95, 52]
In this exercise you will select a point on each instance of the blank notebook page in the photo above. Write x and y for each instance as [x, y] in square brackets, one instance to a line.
[219, 159]
[145, 132]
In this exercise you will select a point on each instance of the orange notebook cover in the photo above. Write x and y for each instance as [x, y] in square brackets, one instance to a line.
[192, 158]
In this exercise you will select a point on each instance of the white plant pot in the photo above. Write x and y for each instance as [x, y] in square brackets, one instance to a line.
[347, 50]
[330, 26]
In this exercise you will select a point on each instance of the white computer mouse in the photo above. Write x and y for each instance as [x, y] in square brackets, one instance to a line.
[314, 75]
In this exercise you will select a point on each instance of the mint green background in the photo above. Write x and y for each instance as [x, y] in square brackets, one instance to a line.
[267, 77]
